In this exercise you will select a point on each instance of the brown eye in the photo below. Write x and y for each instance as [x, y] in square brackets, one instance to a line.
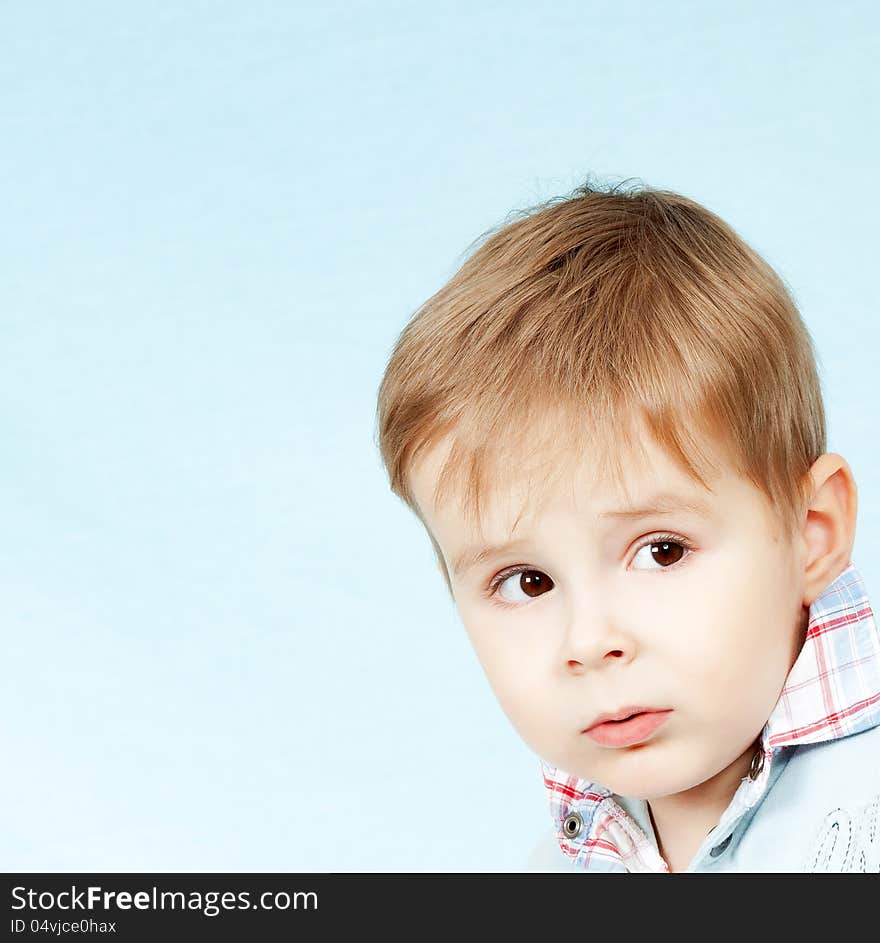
[664, 552]
[527, 583]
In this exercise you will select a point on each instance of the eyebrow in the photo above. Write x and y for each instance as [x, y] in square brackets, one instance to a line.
[657, 505]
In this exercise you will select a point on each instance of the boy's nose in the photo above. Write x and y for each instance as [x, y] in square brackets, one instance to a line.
[587, 649]
[616, 653]
[577, 666]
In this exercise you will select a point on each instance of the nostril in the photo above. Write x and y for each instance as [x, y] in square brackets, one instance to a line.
[617, 653]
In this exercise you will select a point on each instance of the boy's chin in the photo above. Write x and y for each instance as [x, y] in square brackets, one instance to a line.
[643, 774]
[654, 784]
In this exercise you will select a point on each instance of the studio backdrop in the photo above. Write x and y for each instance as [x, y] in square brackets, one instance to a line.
[226, 644]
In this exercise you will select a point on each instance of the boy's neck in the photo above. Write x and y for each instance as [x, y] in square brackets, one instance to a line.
[682, 821]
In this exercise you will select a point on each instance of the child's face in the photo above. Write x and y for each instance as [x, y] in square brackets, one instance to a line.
[608, 615]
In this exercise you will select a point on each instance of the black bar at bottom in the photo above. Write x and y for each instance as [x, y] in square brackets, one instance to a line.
[298, 905]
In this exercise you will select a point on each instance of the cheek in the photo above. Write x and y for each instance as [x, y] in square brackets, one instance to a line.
[737, 605]
[515, 670]
[500, 644]
[510, 670]
[739, 658]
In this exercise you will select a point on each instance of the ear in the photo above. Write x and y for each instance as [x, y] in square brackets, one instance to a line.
[830, 526]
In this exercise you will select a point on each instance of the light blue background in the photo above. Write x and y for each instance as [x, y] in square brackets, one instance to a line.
[225, 642]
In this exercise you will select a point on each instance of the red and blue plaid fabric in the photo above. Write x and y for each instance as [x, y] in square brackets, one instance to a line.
[832, 691]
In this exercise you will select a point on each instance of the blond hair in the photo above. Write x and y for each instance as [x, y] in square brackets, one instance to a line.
[588, 318]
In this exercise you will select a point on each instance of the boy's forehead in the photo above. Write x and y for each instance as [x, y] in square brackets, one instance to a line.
[519, 492]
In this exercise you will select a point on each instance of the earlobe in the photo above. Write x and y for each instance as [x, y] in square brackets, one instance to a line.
[829, 530]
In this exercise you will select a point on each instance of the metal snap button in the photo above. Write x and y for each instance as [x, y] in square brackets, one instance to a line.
[757, 765]
[572, 825]
[720, 849]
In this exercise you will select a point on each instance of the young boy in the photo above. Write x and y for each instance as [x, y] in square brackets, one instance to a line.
[610, 424]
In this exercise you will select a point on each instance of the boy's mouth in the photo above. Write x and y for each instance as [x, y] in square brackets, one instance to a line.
[618, 716]
[627, 726]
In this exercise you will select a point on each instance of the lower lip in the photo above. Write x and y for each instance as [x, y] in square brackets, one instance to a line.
[626, 733]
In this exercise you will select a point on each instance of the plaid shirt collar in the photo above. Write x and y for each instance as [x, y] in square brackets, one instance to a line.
[832, 691]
